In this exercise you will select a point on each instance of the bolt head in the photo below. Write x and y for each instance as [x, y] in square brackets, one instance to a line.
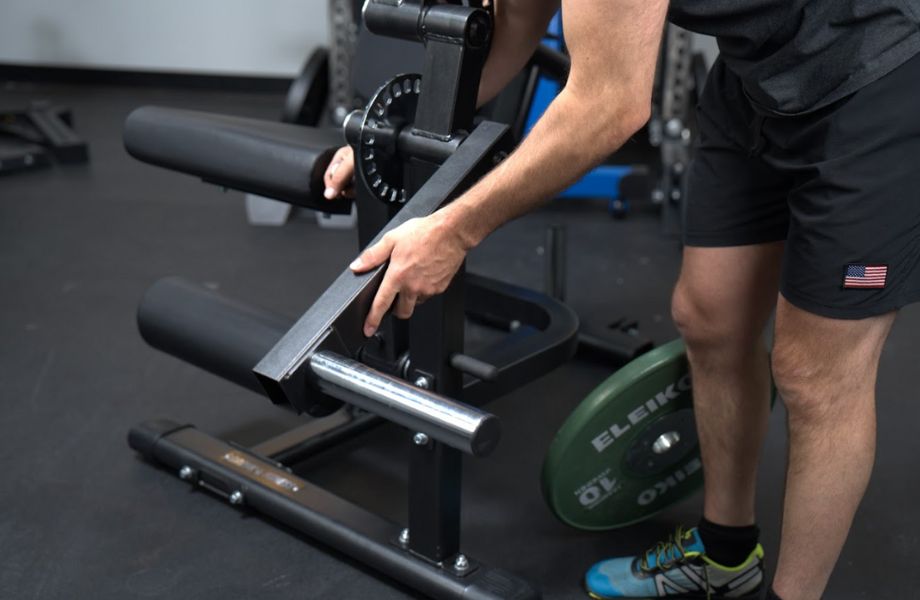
[461, 563]
[422, 382]
[420, 439]
[404, 536]
[186, 472]
[673, 127]
[236, 498]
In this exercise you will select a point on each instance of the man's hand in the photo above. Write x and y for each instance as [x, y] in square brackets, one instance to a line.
[424, 256]
[340, 175]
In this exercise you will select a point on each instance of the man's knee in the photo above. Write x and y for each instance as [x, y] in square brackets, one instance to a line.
[823, 366]
[803, 380]
[818, 384]
[702, 319]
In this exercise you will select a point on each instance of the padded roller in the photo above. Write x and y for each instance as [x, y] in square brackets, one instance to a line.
[277, 160]
[209, 330]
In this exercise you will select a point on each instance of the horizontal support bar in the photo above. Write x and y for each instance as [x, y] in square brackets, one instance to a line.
[455, 424]
[269, 489]
[422, 21]
[409, 144]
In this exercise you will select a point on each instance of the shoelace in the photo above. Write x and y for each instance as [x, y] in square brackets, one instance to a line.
[663, 551]
[665, 558]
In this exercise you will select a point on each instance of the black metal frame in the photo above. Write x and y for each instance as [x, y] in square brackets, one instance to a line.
[324, 360]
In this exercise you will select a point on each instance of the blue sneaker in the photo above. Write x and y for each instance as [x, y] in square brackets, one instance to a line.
[677, 568]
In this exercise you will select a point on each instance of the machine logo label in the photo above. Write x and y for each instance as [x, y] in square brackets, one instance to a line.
[271, 477]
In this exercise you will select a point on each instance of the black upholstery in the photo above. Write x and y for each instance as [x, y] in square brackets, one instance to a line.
[272, 159]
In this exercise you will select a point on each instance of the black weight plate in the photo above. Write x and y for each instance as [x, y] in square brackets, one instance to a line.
[307, 95]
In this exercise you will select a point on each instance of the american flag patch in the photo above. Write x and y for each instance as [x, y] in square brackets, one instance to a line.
[865, 276]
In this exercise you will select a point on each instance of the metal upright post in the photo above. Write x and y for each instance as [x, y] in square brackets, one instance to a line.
[435, 471]
[452, 70]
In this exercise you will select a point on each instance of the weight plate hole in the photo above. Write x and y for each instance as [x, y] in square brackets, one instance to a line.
[665, 442]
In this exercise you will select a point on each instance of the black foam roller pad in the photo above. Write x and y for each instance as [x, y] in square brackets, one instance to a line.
[277, 160]
[208, 330]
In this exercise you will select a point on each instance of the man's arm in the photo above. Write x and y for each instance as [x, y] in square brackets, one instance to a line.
[519, 27]
[614, 49]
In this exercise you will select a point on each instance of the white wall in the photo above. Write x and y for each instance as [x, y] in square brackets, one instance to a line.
[245, 37]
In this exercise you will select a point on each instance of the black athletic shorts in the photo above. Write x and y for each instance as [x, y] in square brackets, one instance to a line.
[841, 185]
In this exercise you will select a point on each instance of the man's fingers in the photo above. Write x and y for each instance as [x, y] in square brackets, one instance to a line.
[373, 256]
[339, 173]
[382, 302]
[405, 305]
[333, 167]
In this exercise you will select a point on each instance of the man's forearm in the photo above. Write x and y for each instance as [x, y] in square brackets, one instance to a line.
[572, 137]
[614, 46]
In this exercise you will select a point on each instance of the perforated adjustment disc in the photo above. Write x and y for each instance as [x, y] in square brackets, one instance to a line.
[391, 108]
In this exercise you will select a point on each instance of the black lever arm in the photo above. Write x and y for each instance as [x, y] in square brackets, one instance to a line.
[335, 321]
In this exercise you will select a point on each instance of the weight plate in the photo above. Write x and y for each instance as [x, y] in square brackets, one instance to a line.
[392, 107]
[629, 450]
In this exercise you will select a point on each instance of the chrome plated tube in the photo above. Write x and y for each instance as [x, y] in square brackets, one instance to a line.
[448, 421]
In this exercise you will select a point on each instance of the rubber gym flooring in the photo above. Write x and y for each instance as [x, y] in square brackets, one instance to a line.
[82, 517]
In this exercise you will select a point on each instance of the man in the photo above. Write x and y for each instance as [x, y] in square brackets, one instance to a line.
[803, 199]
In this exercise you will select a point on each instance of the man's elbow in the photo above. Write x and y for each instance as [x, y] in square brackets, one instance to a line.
[622, 122]
[635, 115]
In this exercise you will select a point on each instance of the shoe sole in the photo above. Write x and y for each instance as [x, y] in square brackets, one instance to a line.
[756, 596]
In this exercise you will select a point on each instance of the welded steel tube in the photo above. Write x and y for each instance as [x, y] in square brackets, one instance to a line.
[453, 423]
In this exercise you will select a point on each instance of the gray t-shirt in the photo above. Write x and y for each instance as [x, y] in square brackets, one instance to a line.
[795, 56]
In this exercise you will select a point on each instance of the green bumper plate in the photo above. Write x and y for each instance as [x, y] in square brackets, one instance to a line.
[630, 449]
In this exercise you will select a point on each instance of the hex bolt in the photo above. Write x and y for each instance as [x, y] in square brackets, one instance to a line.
[423, 382]
[673, 128]
[461, 563]
[404, 537]
[236, 498]
[420, 439]
[186, 472]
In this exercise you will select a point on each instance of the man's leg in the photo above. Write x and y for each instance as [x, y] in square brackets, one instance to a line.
[721, 304]
[825, 371]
